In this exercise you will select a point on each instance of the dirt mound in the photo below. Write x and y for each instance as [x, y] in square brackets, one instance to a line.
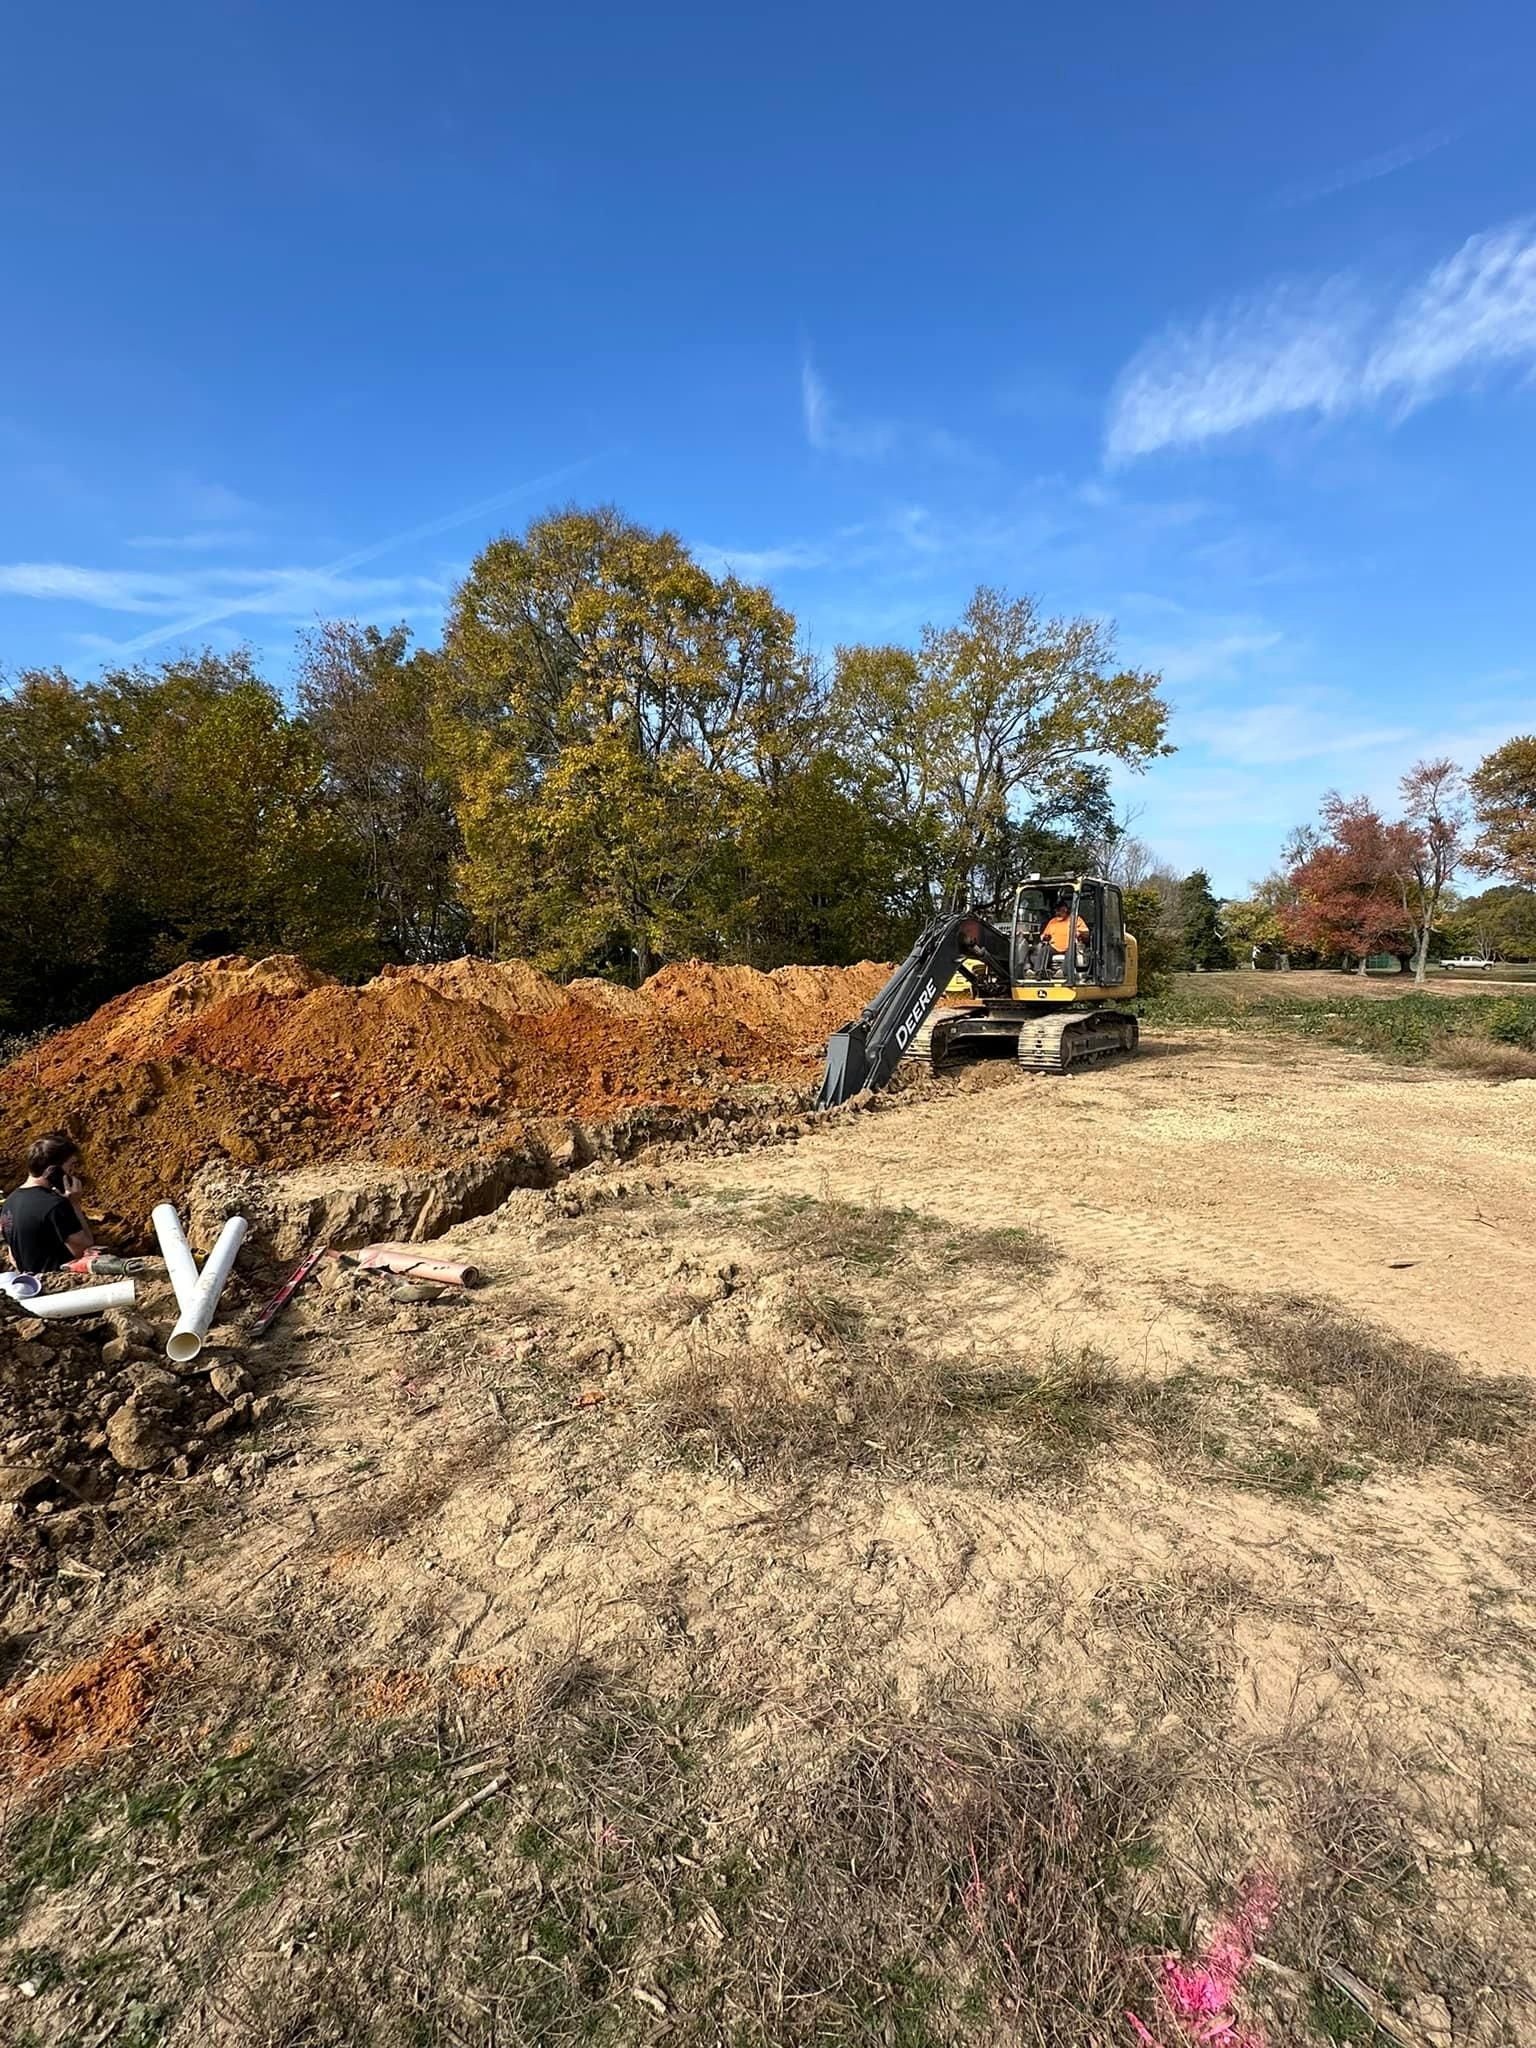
[147, 1127]
[271, 1064]
[793, 1007]
[351, 1051]
[79, 1712]
[143, 1023]
[611, 995]
[513, 988]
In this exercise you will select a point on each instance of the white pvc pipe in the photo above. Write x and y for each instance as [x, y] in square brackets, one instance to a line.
[186, 1340]
[80, 1301]
[180, 1266]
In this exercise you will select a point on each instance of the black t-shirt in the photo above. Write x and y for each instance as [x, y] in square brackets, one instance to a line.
[38, 1224]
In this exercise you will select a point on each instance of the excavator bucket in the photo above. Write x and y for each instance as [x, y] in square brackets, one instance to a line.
[846, 1069]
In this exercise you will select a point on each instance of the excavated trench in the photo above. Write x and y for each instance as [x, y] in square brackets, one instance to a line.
[412, 1103]
[353, 1204]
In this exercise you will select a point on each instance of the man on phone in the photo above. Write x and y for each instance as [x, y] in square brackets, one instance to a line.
[41, 1223]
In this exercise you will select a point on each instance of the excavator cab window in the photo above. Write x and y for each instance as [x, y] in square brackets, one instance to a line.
[1112, 940]
[1031, 910]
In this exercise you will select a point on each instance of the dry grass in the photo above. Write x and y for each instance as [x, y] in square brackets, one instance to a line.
[862, 1400]
[1167, 1640]
[1019, 1250]
[875, 1238]
[1399, 1877]
[839, 1233]
[1520, 1470]
[1397, 1401]
[889, 1878]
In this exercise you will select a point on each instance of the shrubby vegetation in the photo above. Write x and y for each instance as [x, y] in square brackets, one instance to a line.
[613, 758]
[1466, 1033]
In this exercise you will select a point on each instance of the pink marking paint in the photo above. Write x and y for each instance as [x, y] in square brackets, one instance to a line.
[1196, 1997]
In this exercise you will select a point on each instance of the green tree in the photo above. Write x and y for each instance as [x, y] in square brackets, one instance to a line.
[817, 858]
[609, 709]
[1503, 791]
[1007, 706]
[368, 702]
[219, 836]
[1202, 941]
[1156, 946]
[1257, 920]
[1498, 924]
[56, 863]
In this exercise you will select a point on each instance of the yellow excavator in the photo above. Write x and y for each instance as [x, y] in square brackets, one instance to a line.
[1048, 972]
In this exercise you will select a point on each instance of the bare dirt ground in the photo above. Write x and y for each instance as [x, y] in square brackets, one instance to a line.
[891, 1585]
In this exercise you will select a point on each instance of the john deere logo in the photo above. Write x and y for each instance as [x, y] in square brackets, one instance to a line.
[916, 1014]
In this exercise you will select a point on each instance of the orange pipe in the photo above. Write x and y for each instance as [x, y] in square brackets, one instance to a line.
[407, 1259]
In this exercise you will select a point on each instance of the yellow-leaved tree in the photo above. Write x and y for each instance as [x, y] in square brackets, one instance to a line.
[613, 714]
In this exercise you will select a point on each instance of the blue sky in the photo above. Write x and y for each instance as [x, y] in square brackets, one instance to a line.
[1218, 321]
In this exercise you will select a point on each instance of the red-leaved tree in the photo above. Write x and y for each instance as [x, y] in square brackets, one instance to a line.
[1345, 879]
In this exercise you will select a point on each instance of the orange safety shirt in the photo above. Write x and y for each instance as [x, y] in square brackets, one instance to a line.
[1058, 928]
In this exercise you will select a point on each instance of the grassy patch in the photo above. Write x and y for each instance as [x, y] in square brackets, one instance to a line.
[910, 1880]
[1025, 1253]
[1497, 1033]
[782, 1416]
[871, 1239]
[1299, 1470]
[1394, 1400]
[824, 1316]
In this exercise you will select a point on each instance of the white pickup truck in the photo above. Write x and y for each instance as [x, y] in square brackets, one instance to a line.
[1481, 966]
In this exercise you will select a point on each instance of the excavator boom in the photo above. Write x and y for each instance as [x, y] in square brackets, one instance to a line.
[865, 1053]
[1052, 985]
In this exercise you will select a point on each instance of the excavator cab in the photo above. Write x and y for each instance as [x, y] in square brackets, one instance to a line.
[1047, 983]
[1067, 931]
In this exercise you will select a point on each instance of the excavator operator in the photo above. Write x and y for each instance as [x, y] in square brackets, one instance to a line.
[1055, 937]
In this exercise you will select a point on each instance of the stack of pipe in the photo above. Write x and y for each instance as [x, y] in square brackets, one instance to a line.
[197, 1293]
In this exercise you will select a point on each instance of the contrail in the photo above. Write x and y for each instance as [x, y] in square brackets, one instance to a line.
[253, 598]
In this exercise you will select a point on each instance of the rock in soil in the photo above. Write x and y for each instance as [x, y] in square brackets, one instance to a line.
[80, 1419]
[137, 1436]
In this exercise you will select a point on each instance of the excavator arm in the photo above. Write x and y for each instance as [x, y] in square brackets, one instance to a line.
[864, 1054]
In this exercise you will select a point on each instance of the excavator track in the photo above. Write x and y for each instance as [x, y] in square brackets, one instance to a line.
[1049, 1045]
[930, 1043]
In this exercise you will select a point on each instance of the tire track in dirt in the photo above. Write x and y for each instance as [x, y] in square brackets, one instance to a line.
[1407, 1198]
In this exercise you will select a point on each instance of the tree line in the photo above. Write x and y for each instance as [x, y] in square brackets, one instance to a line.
[1359, 885]
[613, 757]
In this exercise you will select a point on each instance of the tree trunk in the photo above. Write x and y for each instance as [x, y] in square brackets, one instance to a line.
[1420, 957]
[643, 960]
[1360, 970]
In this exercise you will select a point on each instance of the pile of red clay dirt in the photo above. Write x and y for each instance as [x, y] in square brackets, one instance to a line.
[74, 1715]
[272, 1063]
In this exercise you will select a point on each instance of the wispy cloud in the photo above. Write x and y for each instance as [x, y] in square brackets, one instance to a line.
[756, 564]
[284, 592]
[213, 503]
[1368, 169]
[1213, 657]
[1331, 348]
[206, 542]
[1474, 311]
[1302, 724]
[830, 430]
[198, 617]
